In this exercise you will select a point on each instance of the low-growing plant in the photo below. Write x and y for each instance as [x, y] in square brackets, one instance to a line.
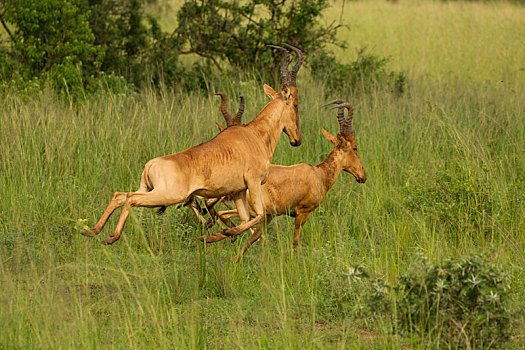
[458, 303]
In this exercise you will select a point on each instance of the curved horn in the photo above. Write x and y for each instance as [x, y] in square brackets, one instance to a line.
[237, 119]
[349, 117]
[338, 101]
[284, 63]
[224, 112]
[345, 124]
[295, 68]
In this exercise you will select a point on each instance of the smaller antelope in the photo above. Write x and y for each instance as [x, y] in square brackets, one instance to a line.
[299, 189]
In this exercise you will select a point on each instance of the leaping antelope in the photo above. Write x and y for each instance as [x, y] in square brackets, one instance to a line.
[310, 183]
[236, 160]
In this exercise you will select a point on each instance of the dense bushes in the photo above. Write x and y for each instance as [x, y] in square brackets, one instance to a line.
[75, 43]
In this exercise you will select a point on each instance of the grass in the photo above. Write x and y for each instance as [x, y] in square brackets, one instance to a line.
[445, 164]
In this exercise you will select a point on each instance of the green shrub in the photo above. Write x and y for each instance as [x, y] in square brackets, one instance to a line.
[50, 33]
[459, 303]
[237, 32]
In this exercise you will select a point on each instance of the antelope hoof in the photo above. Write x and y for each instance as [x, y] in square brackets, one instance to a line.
[89, 233]
[109, 241]
[204, 238]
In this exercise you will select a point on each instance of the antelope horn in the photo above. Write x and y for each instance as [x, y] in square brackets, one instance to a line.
[295, 68]
[237, 119]
[345, 124]
[224, 112]
[349, 117]
[338, 101]
[284, 64]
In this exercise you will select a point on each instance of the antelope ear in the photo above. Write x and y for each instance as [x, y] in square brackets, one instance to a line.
[329, 136]
[285, 90]
[270, 92]
[221, 128]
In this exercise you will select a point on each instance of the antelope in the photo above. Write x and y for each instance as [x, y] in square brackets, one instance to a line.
[310, 183]
[211, 202]
[234, 161]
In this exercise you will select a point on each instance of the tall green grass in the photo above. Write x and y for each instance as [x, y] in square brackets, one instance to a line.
[445, 164]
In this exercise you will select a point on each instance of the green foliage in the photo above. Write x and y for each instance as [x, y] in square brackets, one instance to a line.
[238, 31]
[366, 72]
[71, 42]
[349, 292]
[52, 33]
[459, 303]
[133, 44]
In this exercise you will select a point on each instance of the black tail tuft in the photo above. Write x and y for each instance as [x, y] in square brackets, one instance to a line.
[161, 210]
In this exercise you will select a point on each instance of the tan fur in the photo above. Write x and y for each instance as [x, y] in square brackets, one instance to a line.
[235, 160]
[299, 189]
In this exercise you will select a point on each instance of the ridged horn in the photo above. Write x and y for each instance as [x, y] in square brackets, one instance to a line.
[345, 124]
[284, 63]
[224, 112]
[237, 119]
[295, 68]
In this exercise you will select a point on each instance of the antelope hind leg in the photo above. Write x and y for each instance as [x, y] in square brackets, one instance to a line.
[141, 199]
[118, 200]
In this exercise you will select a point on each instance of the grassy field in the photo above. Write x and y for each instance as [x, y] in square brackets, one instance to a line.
[446, 178]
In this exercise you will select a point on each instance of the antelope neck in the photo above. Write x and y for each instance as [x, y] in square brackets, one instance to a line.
[330, 169]
[268, 125]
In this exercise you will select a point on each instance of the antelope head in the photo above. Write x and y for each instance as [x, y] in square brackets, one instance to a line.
[227, 117]
[289, 95]
[345, 141]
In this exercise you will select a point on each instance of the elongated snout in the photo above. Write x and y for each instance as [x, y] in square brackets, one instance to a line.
[361, 177]
[296, 143]
[294, 135]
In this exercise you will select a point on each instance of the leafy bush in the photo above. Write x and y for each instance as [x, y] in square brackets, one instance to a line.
[134, 46]
[238, 31]
[460, 303]
[50, 33]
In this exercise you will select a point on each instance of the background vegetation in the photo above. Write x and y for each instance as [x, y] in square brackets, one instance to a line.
[446, 166]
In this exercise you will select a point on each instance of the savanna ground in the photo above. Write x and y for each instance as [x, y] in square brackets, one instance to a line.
[446, 178]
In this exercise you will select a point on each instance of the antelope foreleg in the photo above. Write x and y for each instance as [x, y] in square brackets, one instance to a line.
[244, 214]
[298, 227]
[194, 206]
[255, 236]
